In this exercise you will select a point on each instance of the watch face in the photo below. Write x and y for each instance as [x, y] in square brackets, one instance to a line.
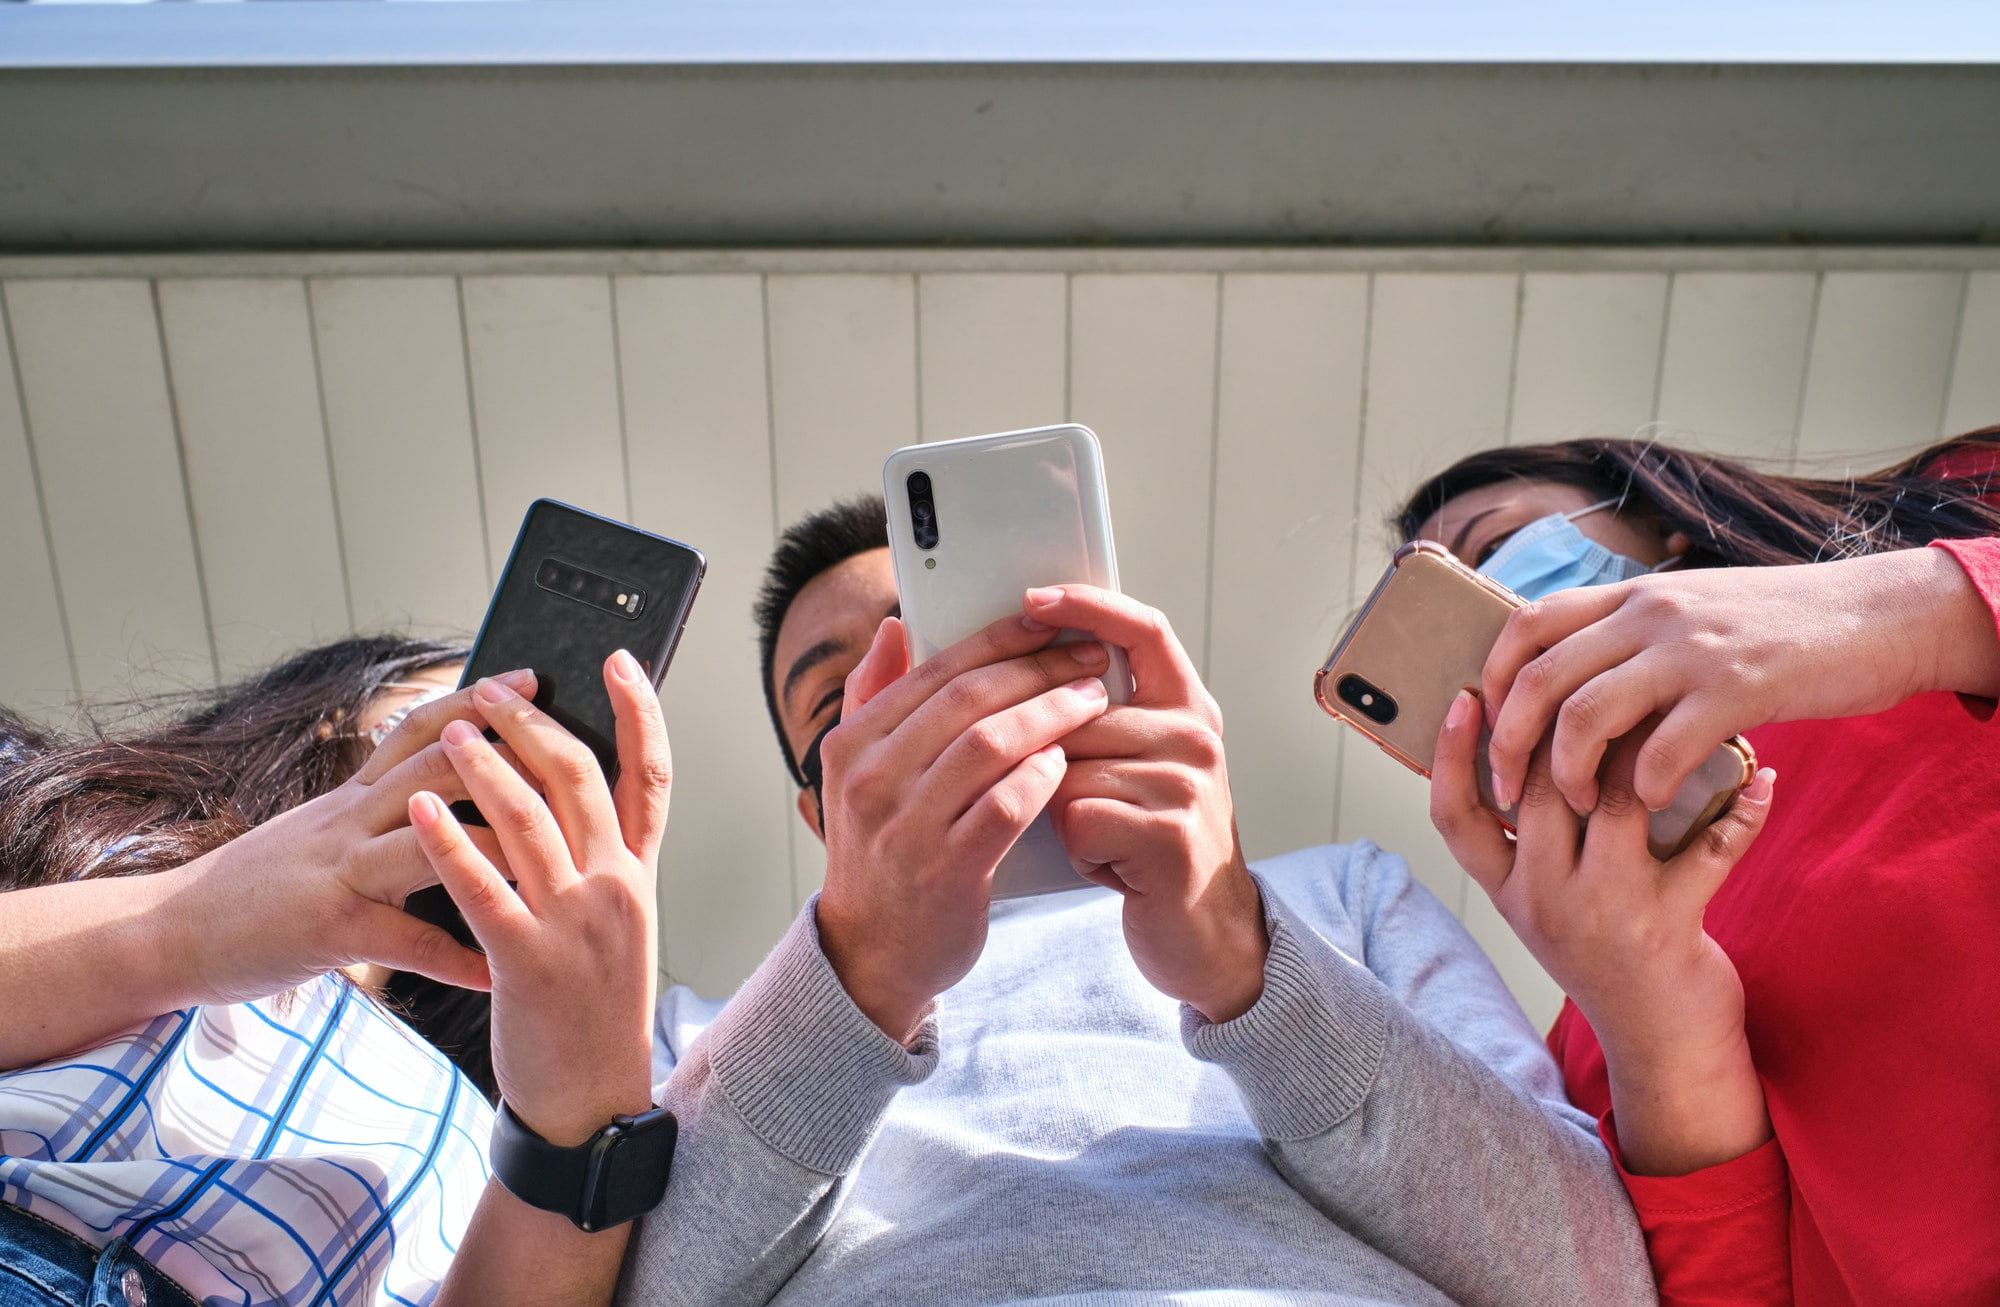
[629, 1167]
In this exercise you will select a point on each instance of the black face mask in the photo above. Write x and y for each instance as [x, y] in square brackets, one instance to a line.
[813, 769]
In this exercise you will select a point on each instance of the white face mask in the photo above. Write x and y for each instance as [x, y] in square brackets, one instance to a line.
[1550, 554]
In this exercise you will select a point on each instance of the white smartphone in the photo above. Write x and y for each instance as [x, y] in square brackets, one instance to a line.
[972, 524]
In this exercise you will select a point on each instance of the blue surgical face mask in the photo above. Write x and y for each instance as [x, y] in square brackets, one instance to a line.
[1550, 554]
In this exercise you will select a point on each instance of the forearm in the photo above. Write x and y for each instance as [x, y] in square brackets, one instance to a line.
[81, 961]
[776, 1101]
[516, 1254]
[1681, 1109]
[1406, 1137]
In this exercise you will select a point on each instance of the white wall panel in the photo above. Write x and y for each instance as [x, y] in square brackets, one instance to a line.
[1262, 412]
[992, 351]
[1975, 371]
[1440, 362]
[1288, 439]
[247, 390]
[36, 678]
[1142, 376]
[843, 384]
[544, 398]
[843, 394]
[1882, 343]
[392, 362]
[102, 421]
[697, 426]
[1589, 357]
[1735, 362]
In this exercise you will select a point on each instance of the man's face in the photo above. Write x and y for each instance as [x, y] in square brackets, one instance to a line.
[827, 629]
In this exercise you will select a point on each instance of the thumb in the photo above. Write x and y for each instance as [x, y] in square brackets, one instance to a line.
[888, 657]
[1700, 870]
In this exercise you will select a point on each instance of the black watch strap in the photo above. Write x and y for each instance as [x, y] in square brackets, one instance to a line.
[616, 1175]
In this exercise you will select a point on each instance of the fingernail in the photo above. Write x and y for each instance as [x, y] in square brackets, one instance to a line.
[460, 733]
[1760, 786]
[1043, 596]
[1460, 705]
[1500, 794]
[425, 809]
[626, 668]
[1037, 628]
[492, 691]
[1089, 653]
[1089, 689]
[518, 679]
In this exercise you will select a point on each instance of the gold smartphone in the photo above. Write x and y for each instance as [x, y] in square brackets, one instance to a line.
[1423, 636]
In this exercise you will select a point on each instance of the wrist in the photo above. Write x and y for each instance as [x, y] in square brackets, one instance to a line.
[567, 1121]
[1684, 1113]
[882, 993]
[1238, 948]
[175, 941]
[1953, 626]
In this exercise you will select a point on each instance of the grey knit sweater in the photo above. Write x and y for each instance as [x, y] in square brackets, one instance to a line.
[1381, 1127]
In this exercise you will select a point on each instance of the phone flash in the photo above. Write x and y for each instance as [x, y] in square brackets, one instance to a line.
[621, 600]
[930, 563]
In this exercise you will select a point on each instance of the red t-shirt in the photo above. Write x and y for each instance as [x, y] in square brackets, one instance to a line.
[1865, 923]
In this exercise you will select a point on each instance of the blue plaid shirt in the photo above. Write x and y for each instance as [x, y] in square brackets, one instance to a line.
[304, 1149]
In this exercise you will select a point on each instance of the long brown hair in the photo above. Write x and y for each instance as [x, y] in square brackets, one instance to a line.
[127, 802]
[1736, 515]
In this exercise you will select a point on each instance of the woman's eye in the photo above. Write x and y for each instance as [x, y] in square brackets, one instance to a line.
[1487, 550]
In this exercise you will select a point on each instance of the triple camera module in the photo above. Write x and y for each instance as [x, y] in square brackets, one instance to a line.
[585, 586]
[923, 511]
[1366, 699]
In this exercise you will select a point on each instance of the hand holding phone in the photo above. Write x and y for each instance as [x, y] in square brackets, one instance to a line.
[973, 525]
[1423, 636]
[577, 588]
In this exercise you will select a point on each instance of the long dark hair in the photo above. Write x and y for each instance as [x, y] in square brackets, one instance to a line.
[1736, 515]
[128, 802]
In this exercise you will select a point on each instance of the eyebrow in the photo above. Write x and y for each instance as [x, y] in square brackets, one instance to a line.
[831, 647]
[1458, 545]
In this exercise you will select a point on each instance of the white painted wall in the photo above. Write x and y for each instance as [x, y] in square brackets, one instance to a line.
[207, 460]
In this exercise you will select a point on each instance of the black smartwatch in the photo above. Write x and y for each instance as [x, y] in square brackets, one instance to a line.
[617, 1175]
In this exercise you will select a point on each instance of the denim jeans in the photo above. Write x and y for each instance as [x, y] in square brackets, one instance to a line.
[42, 1265]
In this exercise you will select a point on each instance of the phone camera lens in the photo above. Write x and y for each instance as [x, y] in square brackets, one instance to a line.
[1376, 706]
[923, 511]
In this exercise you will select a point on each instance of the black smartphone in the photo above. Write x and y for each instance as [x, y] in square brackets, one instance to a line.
[577, 588]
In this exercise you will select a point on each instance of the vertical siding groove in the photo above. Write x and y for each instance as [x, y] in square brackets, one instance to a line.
[1214, 459]
[1514, 360]
[326, 437]
[618, 388]
[187, 486]
[1660, 365]
[1951, 355]
[1354, 525]
[472, 420]
[917, 350]
[41, 498]
[1805, 366]
[771, 439]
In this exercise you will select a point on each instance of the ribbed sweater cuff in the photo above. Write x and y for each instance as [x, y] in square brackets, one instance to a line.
[803, 1067]
[1307, 1051]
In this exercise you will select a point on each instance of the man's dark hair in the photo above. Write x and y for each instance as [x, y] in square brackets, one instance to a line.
[808, 547]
